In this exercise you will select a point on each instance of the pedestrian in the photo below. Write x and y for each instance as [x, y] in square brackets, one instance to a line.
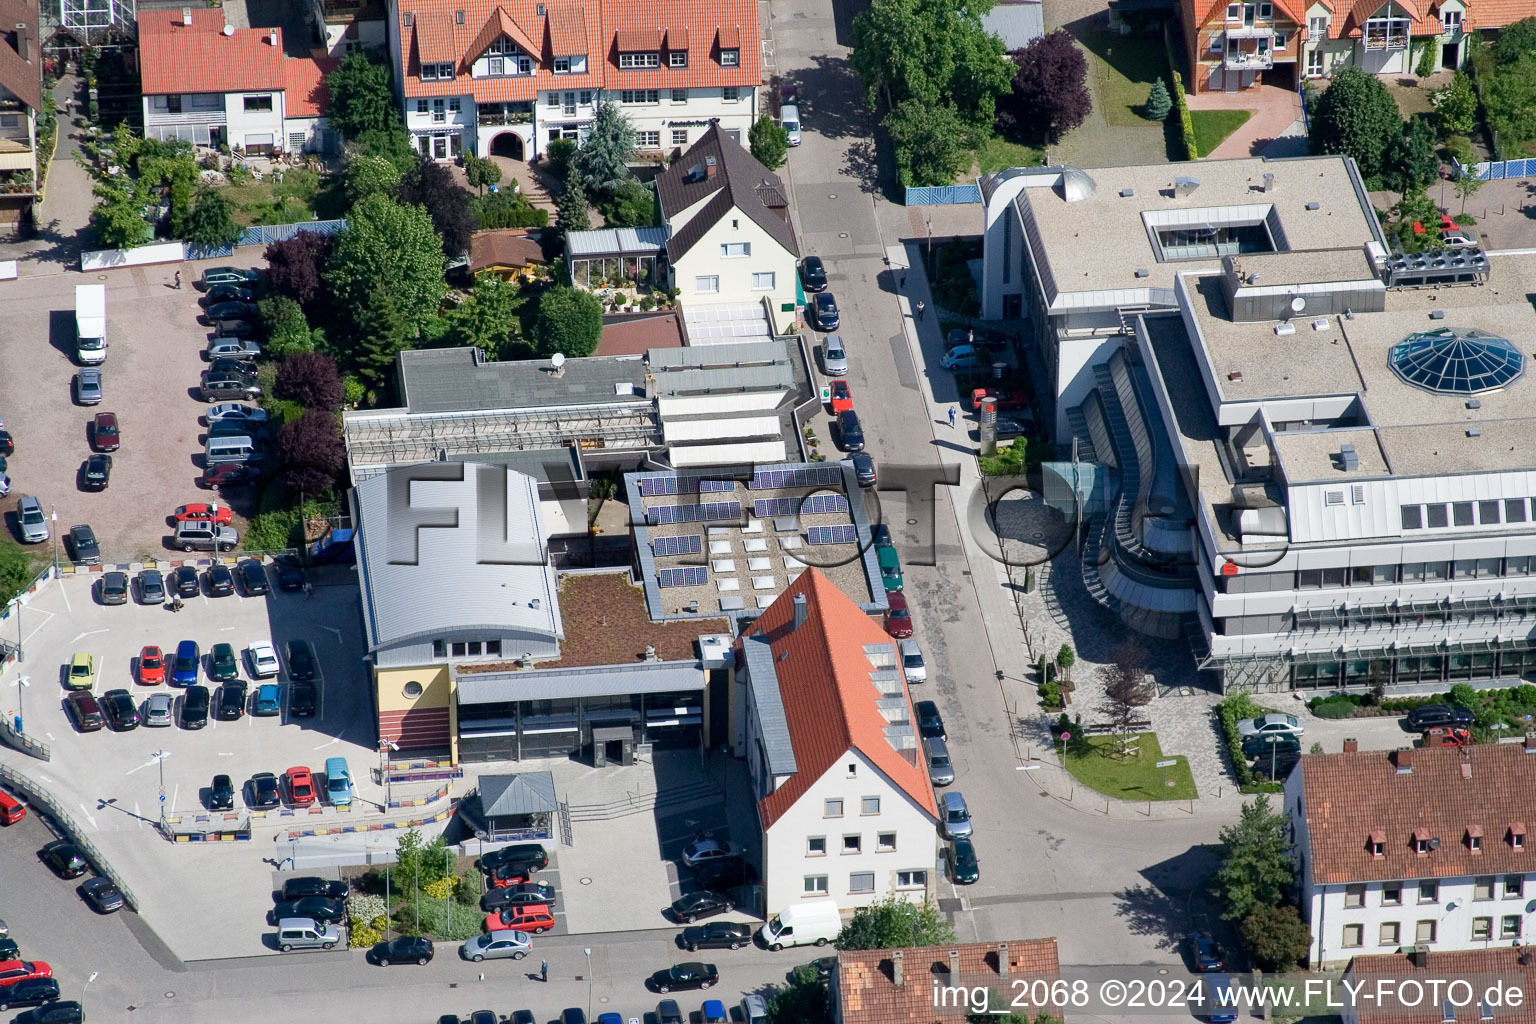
[951, 417]
[901, 279]
[544, 971]
[920, 308]
[177, 285]
[309, 589]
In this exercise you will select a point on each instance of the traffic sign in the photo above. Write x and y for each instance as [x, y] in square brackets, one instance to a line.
[1168, 764]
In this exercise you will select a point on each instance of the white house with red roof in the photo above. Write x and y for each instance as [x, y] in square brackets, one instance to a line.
[213, 84]
[506, 77]
[843, 796]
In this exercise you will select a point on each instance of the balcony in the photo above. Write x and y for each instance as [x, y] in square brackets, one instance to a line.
[1251, 32]
[1249, 60]
[1386, 36]
[339, 10]
[490, 115]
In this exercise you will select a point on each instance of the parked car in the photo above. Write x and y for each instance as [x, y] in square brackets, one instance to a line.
[64, 1011]
[230, 310]
[193, 536]
[955, 815]
[261, 660]
[268, 701]
[29, 992]
[7, 443]
[151, 586]
[203, 511]
[157, 711]
[668, 1012]
[526, 894]
[121, 710]
[231, 701]
[301, 786]
[1277, 766]
[813, 274]
[1430, 715]
[114, 587]
[102, 895]
[1271, 723]
[930, 724]
[227, 275]
[219, 387]
[194, 707]
[526, 919]
[850, 432]
[501, 944]
[404, 950]
[912, 664]
[709, 851]
[301, 660]
[716, 935]
[1457, 240]
[253, 577]
[841, 397]
[1004, 400]
[13, 971]
[961, 857]
[532, 854]
[187, 663]
[261, 792]
[96, 472]
[1448, 736]
[243, 349]
[864, 469]
[234, 412]
[226, 292]
[1217, 1000]
[991, 341]
[234, 328]
[227, 366]
[824, 311]
[966, 358]
[898, 617]
[82, 542]
[301, 700]
[185, 581]
[834, 357]
[88, 387]
[65, 858]
[941, 770]
[31, 520]
[1264, 742]
[221, 794]
[1204, 954]
[222, 665]
[221, 582]
[318, 908]
[106, 436]
[11, 810]
[724, 875]
[82, 671]
[289, 576]
[85, 712]
[310, 885]
[694, 905]
[685, 976]
[227, 474]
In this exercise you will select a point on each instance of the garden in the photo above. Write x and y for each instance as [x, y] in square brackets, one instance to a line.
[1505, 710]
[425, 892]
[1125, 767]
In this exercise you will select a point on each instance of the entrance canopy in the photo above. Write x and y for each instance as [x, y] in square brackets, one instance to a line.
[503, 796]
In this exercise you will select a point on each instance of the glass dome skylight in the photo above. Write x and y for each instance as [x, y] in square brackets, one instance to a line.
[1456, 361]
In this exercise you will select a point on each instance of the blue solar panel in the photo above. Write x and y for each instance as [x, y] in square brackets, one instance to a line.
[710, 486]
[690, 544]
[823, 503]
[709, 511]
[832, 534]
[816, 476]
[686, 577]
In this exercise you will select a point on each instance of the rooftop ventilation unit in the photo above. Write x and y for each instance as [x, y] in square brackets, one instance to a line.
[1184, 186]
[1320, 324]
[1126, 193]
[1269, 182]
[1349, 458]
[623, 388]
[1474, 431]
[1314, 206]
[1283, 329]
[1474, 403]
[229, 31]
[1437, 314]
[1142, 272]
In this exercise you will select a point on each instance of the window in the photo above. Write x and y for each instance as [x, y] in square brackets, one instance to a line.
[735, 250]
[525, 65]
[1461, 513]
[832, 809]
[1488, 512]
[730, 94]
[1482, 887]
[1475, 844]
[815, 846]
[648, 140]
[677, 59]
[885, 842]
[1514, 510]
[709, 284]
[679, 95]
[763, 282]
[1317, 28]
[1388, 934]
[1266, 12]
[853, 844]
[1509, 926]
[1392, 894]
[585, 99]
[1517, 840]
[1354, 895]
[458, 17]
[1424, 932]
[639, 60]
[1514, 886]
[1216, 44]
[634, 96]
[554, 99]
[433, 72]
[568, 106]
[258, 103]
[853, 769]
[453, 104]
[679, 136]
[1482, 929]
[1234, 12]
[439, 648]
[1354, 935]
[911, 879]
[1314, 63]
[439, 111]
[1429, 891]
[493, 647]
[562, 65]
[1280, 38]
[1438, 519]
[1413, 517]
[730, 58]
[861, 881]
[1450, 22]
[815, 885]
[496, 66]
[421, 106]
[296, 141]
[1378, 849]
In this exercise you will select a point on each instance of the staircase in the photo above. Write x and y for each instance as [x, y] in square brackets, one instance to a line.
[1079, 425]
[638, 803]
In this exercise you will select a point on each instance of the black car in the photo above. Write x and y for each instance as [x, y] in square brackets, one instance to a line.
[528, 894]
[310, 885]
[226, 293]
[824, 312]
[194, 707]
[221, 582]
[1261, 744]
[7, 446]
[1431, 715]
[716, 935]
[222, 665]
[231, 701]
[1204, 954]
[230, 311]
[724, 875]
[880, 536]
[301, 700]
[290, 576]
[573, 1015]
[684, 976]
[823, 967]
[850, 431]
[102, 895]
[65, 858]
[262, 792]
[929, 723]
[320, 908]
[668, 1012]
[404, 950]
[9, 950]
[96, 473]
[991, 340]
[221, 795]
[961, 857]
[226, 366]
[114, 588]
[151, 587]
[1276, 766]
[184, 581]
[82, 541]
[234, 328]
[813, 274]
[121, 711]
[301, 660]
[531, 854]
[29, 992]
[65, 1011]
[695, 905]
[864, 469]
[253, 577]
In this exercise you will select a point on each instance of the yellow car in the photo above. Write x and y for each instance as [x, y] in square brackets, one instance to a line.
[82, 671]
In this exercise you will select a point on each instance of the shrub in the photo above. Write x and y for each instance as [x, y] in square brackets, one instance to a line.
[312, 380]
[507, 209]
[1050, 696]
[1233, 710]
[362, 935]
[557, 157]
[1335, 707]
[313, 452]
[367, 907]
[1159, 103]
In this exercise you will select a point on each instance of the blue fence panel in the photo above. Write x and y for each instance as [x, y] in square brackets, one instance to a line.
[209, 252]
[266, 234]
[943, 195]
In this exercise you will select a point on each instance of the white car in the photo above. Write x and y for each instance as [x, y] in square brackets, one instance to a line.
[261, 660]
[1457, 240]
[1269, 725]
[708, 851]
[235, 411]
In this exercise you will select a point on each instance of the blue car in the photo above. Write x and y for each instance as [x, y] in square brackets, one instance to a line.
[267, 700]
[1220, 1007]
[714, 1012]
[184, 667]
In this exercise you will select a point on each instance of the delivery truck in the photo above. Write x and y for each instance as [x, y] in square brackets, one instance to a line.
[91, 323]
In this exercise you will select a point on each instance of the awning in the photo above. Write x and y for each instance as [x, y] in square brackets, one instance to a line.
[601, 681]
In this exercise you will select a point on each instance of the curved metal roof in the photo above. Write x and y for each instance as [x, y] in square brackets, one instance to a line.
[1456, 361]
[1076, 184]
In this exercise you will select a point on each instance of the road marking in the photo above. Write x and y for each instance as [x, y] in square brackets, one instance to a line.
[46, 779]
[174, 794]
[332, 743]
[87, 815]
[89, 632]
[226, 753]
[148, 764]
[332, 629]
[138, 814]
[50, 736]
[64, 593]
[226, 629]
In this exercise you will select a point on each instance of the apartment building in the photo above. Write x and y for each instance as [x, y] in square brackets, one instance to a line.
[896, 986]
[1237, 45]
[21, 99]
[1511, 965]
[505, 78]
[1413, 849]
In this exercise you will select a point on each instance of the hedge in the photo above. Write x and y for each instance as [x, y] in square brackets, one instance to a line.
[1233, 710]
[1186, 122]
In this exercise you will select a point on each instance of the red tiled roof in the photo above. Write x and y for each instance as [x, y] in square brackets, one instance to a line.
[199, 58]
[677, 39]
[637, 336]
[639, 40]
[500, 24]
[1502, 962]
[437, 29]
[1348, 798]
[868, 994]
[568, 31]
[435, 42]
[1424, 21]
[830, 705]
[730, 37]
[682, 22]
[21, 77]
[1496, 13]
[304, 90]
[1208, 10]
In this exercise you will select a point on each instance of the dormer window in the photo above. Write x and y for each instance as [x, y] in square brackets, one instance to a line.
[1421, 841]
[632, 61]
[1517, 835]
[437, 72]
[1475, 838]
[730, 58]
[677, 59]
[562, 65]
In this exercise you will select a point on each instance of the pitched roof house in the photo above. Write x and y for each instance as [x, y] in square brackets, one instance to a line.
[1387, 36]
[1238, 45]
[896, 986]
[1508, 966]
[21, 97]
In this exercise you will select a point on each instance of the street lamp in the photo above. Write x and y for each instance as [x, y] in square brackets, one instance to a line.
[15, 602]
[83, 989]
[159, 756]
[588, 951]
[22, 682]
[53, 518]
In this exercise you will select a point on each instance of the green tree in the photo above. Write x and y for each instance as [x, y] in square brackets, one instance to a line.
[1356, 116]
[1516, 41]
[392, 143]
[558, 156]
[930, 141]
[481, 171]
[1509, 97]
[381, 331]
[212, 220]
[1065, 657]
[1277, 935]
[1256, 868]
[487, 319]
[360, 98]
[633, 205]
[368, 174]
[1411, 162]
[118, 219]
[1159, 103]
[769, 141]
[894, 922]
[1456, 105]
[388, 248]
[802, 1001]
[1426, 63]
[570, 322]
[572, 213]
[603, 159]
[15, 571]
[288, 331]
[934, 51]
[1467, 185]
[1416, 208]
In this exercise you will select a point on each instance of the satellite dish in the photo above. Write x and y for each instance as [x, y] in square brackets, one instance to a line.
[1530, 908]
[557, 360]
[229, 30]
[1298, 304]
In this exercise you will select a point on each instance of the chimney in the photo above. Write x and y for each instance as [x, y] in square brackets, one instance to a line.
[271, 37]
[22, 45]
[186, 16]
[801, 614]
[954, 965]
[1269, 182]
[710, 166]
[1404, 760]
[650, 653]
[897, 974]
[1419, 957]
[1002, 960]
[1351, 745]
[1530, 744]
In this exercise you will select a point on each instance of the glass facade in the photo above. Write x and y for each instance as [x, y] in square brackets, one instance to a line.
[524, 730]
[1457, 666]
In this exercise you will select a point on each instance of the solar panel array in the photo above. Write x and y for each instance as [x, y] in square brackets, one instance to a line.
[691, 484]
[815, 476]
[693, 576]
[811, 505]
[832, 534]
[691, 544]
[709, 511]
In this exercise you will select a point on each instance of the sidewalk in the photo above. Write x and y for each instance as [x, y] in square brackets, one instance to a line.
[1276, 117]
[63, 218]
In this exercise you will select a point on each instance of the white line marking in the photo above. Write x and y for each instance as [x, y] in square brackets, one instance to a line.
[46, 779]
[87, 815]
[330, 744]
[226, 753]
[332, 629]
[64, 593]
[148, 764]
[174, 794]
[226, 629]
[50, 736]
[137, 814]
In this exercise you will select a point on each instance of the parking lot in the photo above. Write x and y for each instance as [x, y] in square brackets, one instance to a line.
[153, 366]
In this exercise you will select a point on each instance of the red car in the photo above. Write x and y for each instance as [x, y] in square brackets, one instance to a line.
[203, 512]
[898, 620]
[11, 809]
[502, 879]
[301, 787]
[12, 971]
[105, 434]
[842, 397]
[151, 666]
[526, 919]
[1005, 399]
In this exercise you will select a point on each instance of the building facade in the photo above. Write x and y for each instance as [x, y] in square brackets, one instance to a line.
[1235, 46]
[898, 986]
[21, 92]
[349, 26]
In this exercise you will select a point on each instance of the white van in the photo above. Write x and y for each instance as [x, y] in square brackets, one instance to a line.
[231, 449]
[91, 324]
[789, 117]
[813, 922]
[912, 663]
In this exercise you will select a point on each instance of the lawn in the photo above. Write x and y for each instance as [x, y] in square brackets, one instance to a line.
[999, 154]
[1126, 69]
[1097, 764]
[1213, 126]
[271, 202]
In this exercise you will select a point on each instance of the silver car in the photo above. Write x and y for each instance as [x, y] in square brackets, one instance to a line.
[941, 770]
[33, 523]
[503, 943]
[235, 412]
[834, 357]
[955, 816]
[157, 711]
[88, 387]
[232, 348]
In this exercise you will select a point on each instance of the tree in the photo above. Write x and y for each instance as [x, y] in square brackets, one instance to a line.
[368, 174]
[311, 379]
[1411, 162]
[1125, 689]
[1456, 105]
[769, 141]
[1277, 935]
[360, 97]
[1159, 103]
[1065, 657]
[382, 331]
[212, 220]
[1255, 868]
[1426, 63]
[604, 157]
[930, 142]
[296, 266]
[118, 220]
[570, 322]
[558, 156]
[1467, 185]
[802, 1001]
[481, 171]
[288, 331]
[1509, 97]
[935, 51]
[391, 143]
[487, 318]
[391, 249]
[1516, 41]
[893, 922]
[571, 205]
[313, 452]
[633, 205]
[1356, 116]
[430, 185]
[1050, 86]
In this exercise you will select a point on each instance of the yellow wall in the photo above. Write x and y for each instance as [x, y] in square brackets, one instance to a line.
[436, 691]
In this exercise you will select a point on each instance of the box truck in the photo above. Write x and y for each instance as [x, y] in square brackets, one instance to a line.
[815, 921]
[91, 323]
